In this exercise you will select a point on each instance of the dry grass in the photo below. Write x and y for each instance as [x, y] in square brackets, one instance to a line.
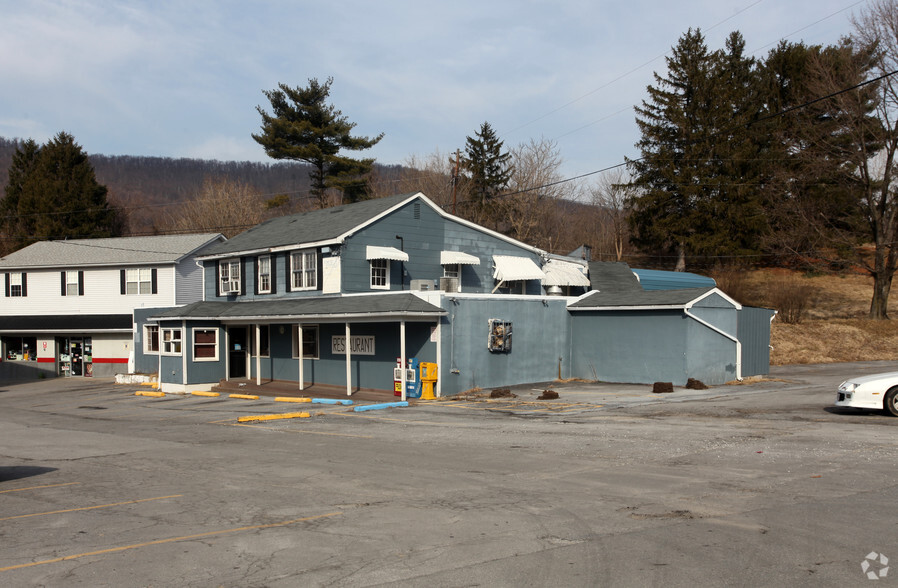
[834, 327]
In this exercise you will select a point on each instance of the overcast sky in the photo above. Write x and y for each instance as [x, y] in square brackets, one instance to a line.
[183, 78]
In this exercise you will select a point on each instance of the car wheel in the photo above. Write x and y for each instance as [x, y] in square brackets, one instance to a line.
[891, 402]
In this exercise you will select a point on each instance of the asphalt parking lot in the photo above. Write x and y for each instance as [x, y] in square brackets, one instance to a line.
[759, 484]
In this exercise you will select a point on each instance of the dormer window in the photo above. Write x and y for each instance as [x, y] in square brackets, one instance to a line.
[229, 276]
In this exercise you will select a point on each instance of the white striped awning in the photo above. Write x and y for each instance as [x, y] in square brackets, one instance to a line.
[564, 273]
[509, 268]
[391, 253]
[454, 257]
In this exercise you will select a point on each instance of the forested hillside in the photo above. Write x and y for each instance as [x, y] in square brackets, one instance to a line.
[147, 188]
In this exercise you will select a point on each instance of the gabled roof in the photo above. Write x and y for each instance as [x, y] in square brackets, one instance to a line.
[315, 226]
[666, 280]
[399, 305]
[644, 300]
[113, 251]
[330, 226]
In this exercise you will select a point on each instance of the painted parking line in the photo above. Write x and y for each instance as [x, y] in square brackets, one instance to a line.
[273, 417]
[167, 540]
[39, 487]
[38, 514]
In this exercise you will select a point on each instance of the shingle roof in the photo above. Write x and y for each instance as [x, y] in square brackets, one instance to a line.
[308, 227]
[634, 299]
[109, 251]
[405, 304]
[612, 276]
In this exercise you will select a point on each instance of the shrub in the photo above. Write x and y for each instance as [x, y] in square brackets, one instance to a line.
[790, 297]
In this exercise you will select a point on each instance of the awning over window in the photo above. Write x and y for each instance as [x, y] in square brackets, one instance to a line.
[564, 273]
[509, 268]
[453, 257]
[391, 253]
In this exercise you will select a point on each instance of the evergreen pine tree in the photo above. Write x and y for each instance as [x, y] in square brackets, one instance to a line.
[303, 127]
[53, 194]
[489, 170]
[699, 169]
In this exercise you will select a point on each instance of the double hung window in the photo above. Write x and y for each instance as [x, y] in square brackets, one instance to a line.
[139, 281]
[171, 341]
[264, 277]
[151, 338]
[380, 274]
[229, 276]
[304, 270]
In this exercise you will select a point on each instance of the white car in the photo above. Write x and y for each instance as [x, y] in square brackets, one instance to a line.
[878, 391]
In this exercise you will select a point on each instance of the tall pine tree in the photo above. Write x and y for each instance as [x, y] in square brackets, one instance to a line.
[304, 127]
[489, 171]
[53, 193]
[698, 173]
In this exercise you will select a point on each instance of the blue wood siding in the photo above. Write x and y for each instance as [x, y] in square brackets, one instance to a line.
[540, 334]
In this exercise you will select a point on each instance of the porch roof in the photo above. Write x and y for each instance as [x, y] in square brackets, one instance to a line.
[376, 307]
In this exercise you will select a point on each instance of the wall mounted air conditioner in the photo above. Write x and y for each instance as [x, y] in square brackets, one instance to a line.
[424, 285]
[449, 284]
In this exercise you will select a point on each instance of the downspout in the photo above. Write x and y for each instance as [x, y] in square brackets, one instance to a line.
[727, 335]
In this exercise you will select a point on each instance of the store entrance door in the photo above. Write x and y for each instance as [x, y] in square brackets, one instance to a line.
[237, 346]
[76, 353]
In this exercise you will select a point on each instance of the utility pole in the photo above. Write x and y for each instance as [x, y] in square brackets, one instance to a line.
[454, 179]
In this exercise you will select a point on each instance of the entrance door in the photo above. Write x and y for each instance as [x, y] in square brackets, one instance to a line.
[76, 353]
[237, 343]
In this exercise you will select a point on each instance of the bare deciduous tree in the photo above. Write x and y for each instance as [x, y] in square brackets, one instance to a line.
[611, 194]
[222, 206]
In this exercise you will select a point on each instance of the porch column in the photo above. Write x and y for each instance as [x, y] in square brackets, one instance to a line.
[402, 356]
[348, 364]
[227, 353]
[258, 356]
[299, 345]
[439, 356]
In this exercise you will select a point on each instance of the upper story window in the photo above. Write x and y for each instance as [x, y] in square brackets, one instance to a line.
[72, 283]
[229, 276]
[16, 284]
[451, 270]
[304, 270]
[264, 277]
[139, 281]
[380, 274]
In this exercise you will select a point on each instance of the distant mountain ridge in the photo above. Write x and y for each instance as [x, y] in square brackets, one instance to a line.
[139, 182]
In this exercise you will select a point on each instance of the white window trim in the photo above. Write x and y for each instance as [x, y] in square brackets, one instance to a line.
[171, 341]
[227, 282]
[215, 344]
[144, 277]
[386, 276]
[297, 343]
[146, 340]
[15, 281]
[259, 274]
[303, 270]
[452, 270]
[70, 284]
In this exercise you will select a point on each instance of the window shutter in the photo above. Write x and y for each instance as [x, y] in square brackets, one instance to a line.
[256, 275]
[122, 282]
[274, 273]
[7, 285]
[154, 277]
[62, 281]
[24, 284]
[319, 269]
[242, 276]
[218, 278]
[80, 283]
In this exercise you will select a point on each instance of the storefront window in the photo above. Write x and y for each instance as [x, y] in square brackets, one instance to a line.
[20, 348]
[205, 344]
